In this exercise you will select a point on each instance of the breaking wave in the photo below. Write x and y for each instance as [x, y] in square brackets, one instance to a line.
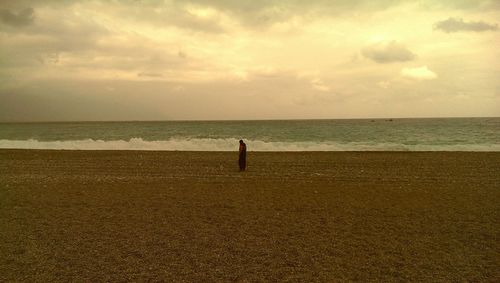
[231, 144]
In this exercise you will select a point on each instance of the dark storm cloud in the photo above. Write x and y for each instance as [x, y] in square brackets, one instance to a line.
[21, 18]
[388, 52]
[456, 25]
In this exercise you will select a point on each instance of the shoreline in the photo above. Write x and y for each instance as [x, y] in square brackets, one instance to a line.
[252, 151]
[300, 216]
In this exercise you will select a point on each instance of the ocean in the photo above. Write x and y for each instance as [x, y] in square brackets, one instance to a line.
[430, 134]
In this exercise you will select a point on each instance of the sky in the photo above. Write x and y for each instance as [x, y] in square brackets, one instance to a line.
[248, 59]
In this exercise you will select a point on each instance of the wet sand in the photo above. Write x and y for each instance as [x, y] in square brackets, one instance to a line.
[191, 216]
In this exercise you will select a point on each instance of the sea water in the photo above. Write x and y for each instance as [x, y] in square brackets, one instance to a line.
[439, 134]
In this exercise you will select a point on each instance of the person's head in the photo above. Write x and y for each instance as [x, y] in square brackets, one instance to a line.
[241, 141]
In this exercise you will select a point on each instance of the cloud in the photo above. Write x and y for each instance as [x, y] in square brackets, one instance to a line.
[418, 73]
[474, 5]
[149, 75]
[384, 84]
[264, 13]
[183, 15]
[196, 55]
[388, 52]
[319, 85]
[457, 24]
[24, 17]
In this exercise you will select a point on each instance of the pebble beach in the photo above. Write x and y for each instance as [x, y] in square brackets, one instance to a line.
[292, 216]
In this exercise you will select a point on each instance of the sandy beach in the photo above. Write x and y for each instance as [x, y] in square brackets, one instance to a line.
[191, 216]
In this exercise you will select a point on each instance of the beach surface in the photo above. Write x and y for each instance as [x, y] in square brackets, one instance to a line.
[305, 216]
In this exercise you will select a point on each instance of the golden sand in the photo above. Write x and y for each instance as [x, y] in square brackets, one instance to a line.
[191, 216]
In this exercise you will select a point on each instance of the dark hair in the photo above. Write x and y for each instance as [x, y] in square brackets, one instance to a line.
[241, 141]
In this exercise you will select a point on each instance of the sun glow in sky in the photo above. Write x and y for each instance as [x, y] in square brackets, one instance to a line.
[209, 59]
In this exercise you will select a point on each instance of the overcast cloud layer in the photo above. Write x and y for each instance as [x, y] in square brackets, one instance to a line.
[255, 59]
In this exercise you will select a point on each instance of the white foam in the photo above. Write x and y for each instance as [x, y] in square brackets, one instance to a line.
[232, 145]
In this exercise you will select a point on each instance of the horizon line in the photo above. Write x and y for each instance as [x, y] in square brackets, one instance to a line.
[240, 120]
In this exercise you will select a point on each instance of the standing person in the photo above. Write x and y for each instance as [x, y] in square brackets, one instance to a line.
[243, 156]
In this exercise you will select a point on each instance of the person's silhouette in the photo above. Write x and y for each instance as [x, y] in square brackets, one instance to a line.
[243, 156]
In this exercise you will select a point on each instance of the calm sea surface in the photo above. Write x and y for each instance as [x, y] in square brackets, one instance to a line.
[447, 134]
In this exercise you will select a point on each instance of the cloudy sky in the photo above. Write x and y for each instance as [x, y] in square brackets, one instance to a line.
[248, 59]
